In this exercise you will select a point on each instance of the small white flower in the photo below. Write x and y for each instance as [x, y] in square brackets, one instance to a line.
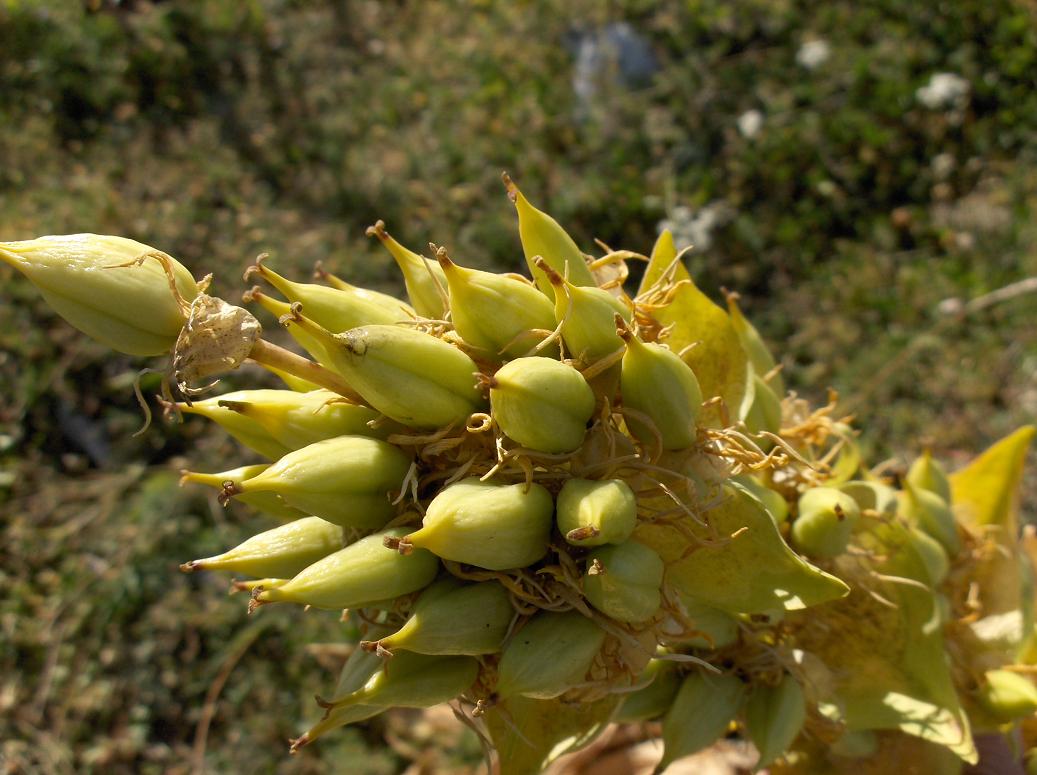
[750, 123]
[813, 54]
[944, 90]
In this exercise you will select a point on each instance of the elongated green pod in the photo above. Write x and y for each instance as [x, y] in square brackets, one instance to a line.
[926, 473]
[593, 513]
[824, 522]
[425, 281]
[489, 525]
[244, 429]
[283, 312]
[469, 620]
[407, 375]
[498, 314]
[772, 501]
[358, 575]
[587, 316]
[541, 235]
[267, 502]
[624, 581]
[662, 389]
[759, 354]
[414, 681]
[334, 308]
[774, 717]
[932, 554]
[873, 495]
[654, 699]
[765, 410]
[1008, 696]
[549, 655]
[541, 403]
[932, 514]
[345, 480]
[280, 552]
[94, 282]
[298, 419]
[702, 710]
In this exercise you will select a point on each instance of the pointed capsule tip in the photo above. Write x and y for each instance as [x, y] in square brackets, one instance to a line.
[189, 567]
[297, 743]
[377, 230]
[546, 268]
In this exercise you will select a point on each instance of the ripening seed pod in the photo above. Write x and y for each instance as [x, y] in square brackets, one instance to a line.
[541, 403]
[281, 552]
[928, 474]
[407, 375]
[624, 581]
[345, 480]
[357, 576]
[655, 698]
[267, 502]
[774, 717]
[932, 514]
[541, 235]
[95, 284]
[492, 526]
[244, 429]
[497, 313]
[424, 279]
[872, 495]
[283, 312]
[759, 355]
[587, 316]
[765, 410]
[469, 620]
[1008, 696]
[413, 681]
[656, 383]
[932, 554]
[824, 522]
[333, 308]
[594, 513]
[704, 707]
[550, 655]
[298, 419]
[772, 501]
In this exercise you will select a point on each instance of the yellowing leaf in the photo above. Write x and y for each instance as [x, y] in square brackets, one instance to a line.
[529, 734]
[718, 360]
[752, 573]
[986, 491]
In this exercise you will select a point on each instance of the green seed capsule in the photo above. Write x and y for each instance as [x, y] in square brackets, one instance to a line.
[1008, 696]
[541, 403]
[593, 513]
[927, 474]
[759, 355]
[550, 655]
[280, 553]
[587, 316]
[246, 430]
[493, 526]
[92, 282]
[702, 710]
[825, 521]
[358, 575]
[773, 502]
[345, 480]
[872, 495]
[765, 410]
[657, 384]
[407, 375]
[298, 419]
[266, 502]
[774, 717]
[336, 309]
[933, 556]
[624, 581]
[653, 700]
[497, 313]
[414, 681]
[283, 312]
[426, 284]
[932, 514]
[471, 620]
[542, 236]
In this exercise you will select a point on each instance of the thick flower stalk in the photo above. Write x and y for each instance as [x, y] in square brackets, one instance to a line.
[556, 502]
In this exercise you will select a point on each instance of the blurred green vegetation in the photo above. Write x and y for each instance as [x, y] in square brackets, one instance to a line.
[792, 142]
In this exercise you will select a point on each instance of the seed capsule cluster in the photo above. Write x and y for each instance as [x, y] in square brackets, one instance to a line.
[542, 503]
